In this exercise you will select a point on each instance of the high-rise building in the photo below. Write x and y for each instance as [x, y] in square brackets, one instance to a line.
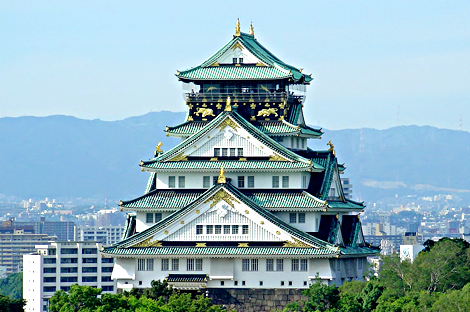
[106, 235]
[60, 265]
[242, 201]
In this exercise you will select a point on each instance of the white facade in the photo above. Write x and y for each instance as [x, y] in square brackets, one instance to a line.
[58, 266]
[409, 252]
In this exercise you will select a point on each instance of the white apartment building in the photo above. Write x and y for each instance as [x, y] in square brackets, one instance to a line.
[58, 266]
[106, 235]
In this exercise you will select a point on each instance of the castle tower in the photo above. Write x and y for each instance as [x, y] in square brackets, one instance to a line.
[242, 202]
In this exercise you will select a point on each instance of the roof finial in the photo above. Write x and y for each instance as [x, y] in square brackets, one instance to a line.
[159, 147]
[228, 105]
[332, 147]
[237, 28]
[221, 178]
[252, 30]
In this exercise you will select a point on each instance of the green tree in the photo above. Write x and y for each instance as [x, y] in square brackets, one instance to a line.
[79, 298]
[8, 304]
[453, 301]
[321, 297]
[12, 285]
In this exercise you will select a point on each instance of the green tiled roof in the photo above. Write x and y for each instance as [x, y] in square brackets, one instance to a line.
[229, 165]
[285, 199]
[263, 138]
[220, 251]
[185, 278]
[163, 199]
[235, 73]
[271, 128]
[266, 214]
[348, 250]
[348, 204]
[275, 69]
[268, 199]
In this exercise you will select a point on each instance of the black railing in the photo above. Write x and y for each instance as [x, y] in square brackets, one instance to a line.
[241, 97]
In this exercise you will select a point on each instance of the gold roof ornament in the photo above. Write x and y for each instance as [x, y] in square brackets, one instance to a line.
[237, 28]
[221, 178]
[332, 148]
[159, 147]
[252, 30]
[228, 104]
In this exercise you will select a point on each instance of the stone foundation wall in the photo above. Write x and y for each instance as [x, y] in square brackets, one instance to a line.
[254, 300]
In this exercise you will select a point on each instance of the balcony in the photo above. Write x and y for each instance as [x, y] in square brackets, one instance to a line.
[243, 97]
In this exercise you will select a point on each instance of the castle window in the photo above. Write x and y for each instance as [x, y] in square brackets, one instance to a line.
[234, 60]
[232, 152]
[241, 181]
[149, 217]
[275, 181]
[245, 264]
[165, 264]
[175, 264]
[216, 152]
[240, 152]
[251, 181]
[301, 217]
[285, 181]
[299, 265]
[269, 265]
[224, 152]
[214, 179]
[158, 216]
[279, 264]
[234, 229]
[171, 181]
[244, 229]
[206, 181]
[181, 181]
[292, 217]
[282, 283]
[304, 182]
[218, 229]
[210, 229]
[199, 229]
[240, 60]
[194, 264]
[226, 229]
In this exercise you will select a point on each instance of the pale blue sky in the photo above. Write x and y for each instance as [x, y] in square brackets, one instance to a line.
[375, 63]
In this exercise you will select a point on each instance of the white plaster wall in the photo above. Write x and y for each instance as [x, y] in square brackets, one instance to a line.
[262, 180]
[141, 218]
[124, 269]
[247, 56]
[310, 225]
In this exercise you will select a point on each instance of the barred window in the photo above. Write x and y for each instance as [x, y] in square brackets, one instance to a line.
[301, 217]
[303, 265]
[241, 181]
[244, 229]
[280, 265]
[190, 265]
[275, 181]
[269, 265]
[149, 264]
[292, 217]
[232, 152]
[285, 181]
[245, 264]
[226, 229]
[171, 181]
[224, 152]
[240, 152]
[158, 216]
[295, 265]
[149, 218]
[210, 229]
[251, 181]
[165, 264]
[140, 264]
[254, 264]
[199, 229]
[175, 264]
[206, 181]
[198, 265]
[218, 229]
[217, 152]
[182, 182]
[234, 229]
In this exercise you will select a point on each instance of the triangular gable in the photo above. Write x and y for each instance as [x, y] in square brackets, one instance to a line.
[227, 125]
[221, 201]
[237, 50]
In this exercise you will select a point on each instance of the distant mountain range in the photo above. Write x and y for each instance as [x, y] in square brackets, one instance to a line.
[63, 156]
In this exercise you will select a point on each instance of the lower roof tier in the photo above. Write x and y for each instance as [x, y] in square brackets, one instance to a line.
[274, 200]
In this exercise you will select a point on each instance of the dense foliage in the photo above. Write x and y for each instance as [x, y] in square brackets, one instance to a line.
[159, 298]
[437, 280]
[12, 285]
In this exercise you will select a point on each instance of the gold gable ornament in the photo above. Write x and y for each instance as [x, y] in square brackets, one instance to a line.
[296, 243]
[251, 31]
[228, 104]
[277, 157]
[332, 148]
[180, 157]
[221, 195]
[221, 178]
[148, 243]
[159, 147]
[227, 123]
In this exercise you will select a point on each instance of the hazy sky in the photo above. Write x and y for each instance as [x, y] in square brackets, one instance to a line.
[375, 63]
